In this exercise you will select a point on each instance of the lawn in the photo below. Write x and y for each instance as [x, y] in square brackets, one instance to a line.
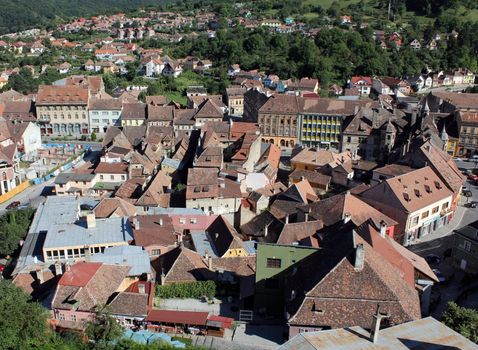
[326, 3]
[186, 341]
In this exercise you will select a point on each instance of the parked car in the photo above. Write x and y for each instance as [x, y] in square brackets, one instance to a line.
[467, 193]
[86, 207]
[458, 159]
[471, 204]
[433, 259]
[13, 205]
[440, 276]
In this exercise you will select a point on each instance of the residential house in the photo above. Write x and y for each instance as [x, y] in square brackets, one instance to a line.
[27, 137]
[235, 100]
[104, 113]
[155, 233]
[210, 193]
[424, 331]
[415, 44]
[419, 201]
[114, 207]
[363, 84]
[133, 114]
[74, 184]
[465, 248]
[207, 111]
[84, 286]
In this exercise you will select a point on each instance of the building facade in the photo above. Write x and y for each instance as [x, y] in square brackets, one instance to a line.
[63, 110]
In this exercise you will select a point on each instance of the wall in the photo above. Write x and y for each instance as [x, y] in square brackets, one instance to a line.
[12, 193]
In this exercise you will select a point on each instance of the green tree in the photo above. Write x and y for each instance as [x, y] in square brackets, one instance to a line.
[462, 320]
[104, 329]
[93, 136]
[23, 323]
[13, 228]
[23, 82]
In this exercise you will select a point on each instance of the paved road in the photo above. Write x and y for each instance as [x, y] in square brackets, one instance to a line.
[33, 195]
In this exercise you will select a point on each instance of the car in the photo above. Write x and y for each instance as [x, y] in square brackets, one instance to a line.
[472, 177]
[458, 159]
[433, 259]
[13, 205]
[470, 205]
[467, 193]
[440, 276]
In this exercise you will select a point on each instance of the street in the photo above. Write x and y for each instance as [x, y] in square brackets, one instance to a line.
[33, 195]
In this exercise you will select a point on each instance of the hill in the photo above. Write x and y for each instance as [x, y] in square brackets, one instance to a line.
[17, 15]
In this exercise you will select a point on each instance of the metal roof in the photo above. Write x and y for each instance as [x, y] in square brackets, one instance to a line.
[133, 256]
[423, 334]
[202, 243]
[59, 217]
[174, 211]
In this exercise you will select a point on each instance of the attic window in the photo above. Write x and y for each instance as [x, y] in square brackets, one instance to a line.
[428, 189]
[197, 189]
[406, 196]
[208, 159]
[417, 193]
[205, 188]
[316, 309]
[437, 184]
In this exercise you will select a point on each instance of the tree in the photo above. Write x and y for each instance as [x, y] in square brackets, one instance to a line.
[93, 136]
[13, 228]
[462, 320]
[23, 82]
[23, 323]
[103, 329]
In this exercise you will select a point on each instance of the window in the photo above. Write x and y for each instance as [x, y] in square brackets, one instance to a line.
[123, 177]
[182, 221]
[61, 317]
[193, 221]
[95, 120]
[425, 214]
[155, 252]
[435, 210]
[415, 220]
[444, 206]
[274, 263]
[73, 318]
[112, 177]
[101, 177]
[467, 245]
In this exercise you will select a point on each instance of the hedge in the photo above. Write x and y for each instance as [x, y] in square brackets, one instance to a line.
[187, 290]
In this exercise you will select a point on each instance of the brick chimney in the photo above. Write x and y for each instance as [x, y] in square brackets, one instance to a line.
[141, 288]
[58, 269]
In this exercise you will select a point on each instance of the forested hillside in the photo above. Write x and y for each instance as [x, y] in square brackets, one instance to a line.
[17, 15]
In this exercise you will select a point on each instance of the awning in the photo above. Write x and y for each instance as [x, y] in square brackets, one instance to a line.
[219, 322]
[178, 317]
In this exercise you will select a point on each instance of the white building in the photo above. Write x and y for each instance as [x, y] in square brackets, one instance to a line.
[103, 113]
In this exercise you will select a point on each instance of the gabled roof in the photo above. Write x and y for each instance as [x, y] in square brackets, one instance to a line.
[296, 232]
[223, 236]
[155, 194]
[87, 285]
[208, 109]
[151, 230]
[181, 265]
[333, 209]
[114, 207]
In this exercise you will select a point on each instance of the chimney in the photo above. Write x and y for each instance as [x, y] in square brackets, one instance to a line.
[266, 230]
[375, 329]
[287, 219]
[67, 267]
[209, 262]
[383, 228]
[141, 288]
[359, 257]
[160, 221]
[136, 223]
[161, 278]
[347, 217]
[39, 275]
[90, 220]
[87, 253]
[58, 269]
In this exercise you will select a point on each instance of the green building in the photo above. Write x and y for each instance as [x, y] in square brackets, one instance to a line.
[274, 263]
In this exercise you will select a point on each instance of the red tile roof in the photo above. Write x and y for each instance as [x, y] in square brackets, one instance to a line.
[80, 274]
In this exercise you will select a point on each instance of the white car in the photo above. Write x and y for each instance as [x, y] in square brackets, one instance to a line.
[458, 159]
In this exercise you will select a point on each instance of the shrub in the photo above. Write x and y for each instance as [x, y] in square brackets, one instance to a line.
[187, 290]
